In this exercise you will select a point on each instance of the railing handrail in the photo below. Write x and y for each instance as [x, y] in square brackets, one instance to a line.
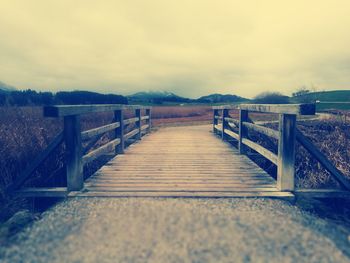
[286, 135]
[298, 109]
[68, 110]
[72, 135]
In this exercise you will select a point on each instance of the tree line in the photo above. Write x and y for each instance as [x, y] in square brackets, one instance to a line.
[34, 98]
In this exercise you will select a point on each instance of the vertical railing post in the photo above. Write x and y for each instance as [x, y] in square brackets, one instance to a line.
[215, 120]
[138, 123]
[148, 113]
[224, 123]
[74, 166]
[119, 132]
[286, 152]
[243, 117]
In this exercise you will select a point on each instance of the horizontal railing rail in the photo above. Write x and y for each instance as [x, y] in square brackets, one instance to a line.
[286, 136]
[76, 155]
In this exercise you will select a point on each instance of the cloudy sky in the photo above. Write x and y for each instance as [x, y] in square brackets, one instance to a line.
[190, 47]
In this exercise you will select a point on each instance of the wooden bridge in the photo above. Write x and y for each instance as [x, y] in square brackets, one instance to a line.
[190, 161]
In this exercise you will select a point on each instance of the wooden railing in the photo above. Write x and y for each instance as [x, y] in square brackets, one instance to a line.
[75, 155]
[286, 135]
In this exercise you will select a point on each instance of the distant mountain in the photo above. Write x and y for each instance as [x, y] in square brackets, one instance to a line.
[156, 97]
[5, 87]
[151, 94]
[221, 98]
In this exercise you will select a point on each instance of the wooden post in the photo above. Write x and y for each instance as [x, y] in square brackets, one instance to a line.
[243, 117]
[215, 120]
[286, 152]
[224, 123]
[72, 136]
[138, 123]
[119, 132]
[148, 113]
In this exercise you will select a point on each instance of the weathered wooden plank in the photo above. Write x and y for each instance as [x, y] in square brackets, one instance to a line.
[298, 109]
[138, 124]
[232, 120]
[85, 135]
[224, 123]
[180, 161]
[144, 127]
[308, 145]
[74, 166]
[215, 120]
[242, 131]
[130, 120]
[218, 128]
[234, 194]
[258, 148]
[36, 162]
[232, 134]
[286, 152]
[175, 185]
[261, 129]
[42, 192]
[131, 134]
[108, 147]
[91, 144]
[164, 174]
[67, 110]
[232, 125]
[119, 132]
[144, 118]
[149, 120]
[175, 179]
[180, 189]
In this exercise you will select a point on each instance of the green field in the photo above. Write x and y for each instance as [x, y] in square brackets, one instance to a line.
[338, 99]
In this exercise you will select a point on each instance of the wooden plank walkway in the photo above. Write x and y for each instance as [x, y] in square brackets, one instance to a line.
[185, 161]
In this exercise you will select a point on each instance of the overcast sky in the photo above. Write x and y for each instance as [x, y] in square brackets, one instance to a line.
[189, 47]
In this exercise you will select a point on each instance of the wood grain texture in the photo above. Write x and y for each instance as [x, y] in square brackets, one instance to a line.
[286, 152]
[181, 162]
[119, 131]
[242, 131]
[106, 148]
[298, 109]
[74, 151]
[261, 129]
[85, 135]
[260, 149]
[69, 110]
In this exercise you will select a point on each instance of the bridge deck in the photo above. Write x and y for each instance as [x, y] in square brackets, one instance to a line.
[181, 162]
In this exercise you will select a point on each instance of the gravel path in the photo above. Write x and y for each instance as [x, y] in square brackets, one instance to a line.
[177, 230]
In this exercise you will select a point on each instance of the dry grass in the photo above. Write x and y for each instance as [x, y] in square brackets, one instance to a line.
[330, 136]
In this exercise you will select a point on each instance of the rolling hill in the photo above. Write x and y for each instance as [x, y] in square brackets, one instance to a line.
[156, 97]
[337, 99]
[221, 98]
[6, 88]
[162, 97]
